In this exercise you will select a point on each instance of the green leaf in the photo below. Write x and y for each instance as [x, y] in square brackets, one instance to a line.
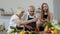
[48, 24]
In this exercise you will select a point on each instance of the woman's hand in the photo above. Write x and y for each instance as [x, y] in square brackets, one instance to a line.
[45, 20]
[42, 20]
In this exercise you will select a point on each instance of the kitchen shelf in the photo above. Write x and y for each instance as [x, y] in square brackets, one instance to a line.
[6, 14]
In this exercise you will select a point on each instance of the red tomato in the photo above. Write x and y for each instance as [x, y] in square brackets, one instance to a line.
[48, 31]
[36, 30]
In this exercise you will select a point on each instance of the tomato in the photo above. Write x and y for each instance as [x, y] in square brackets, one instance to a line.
[36, 29]
[48, 31]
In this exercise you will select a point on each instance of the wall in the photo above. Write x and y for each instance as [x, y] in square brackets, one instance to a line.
[56, 4]
[8, 4]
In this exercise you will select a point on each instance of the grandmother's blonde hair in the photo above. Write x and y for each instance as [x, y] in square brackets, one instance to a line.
[19, 10]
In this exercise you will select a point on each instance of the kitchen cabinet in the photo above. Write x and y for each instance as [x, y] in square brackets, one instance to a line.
[3, 32]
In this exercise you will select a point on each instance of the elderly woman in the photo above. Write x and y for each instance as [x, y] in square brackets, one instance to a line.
[16, 18]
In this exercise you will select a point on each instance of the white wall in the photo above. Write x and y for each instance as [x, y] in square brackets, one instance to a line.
[56, 4]
[7, 4]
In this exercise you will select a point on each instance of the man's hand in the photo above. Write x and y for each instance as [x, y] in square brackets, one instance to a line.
[29, 27]
[35, 19]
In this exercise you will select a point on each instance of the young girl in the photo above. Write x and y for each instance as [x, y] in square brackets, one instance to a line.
[45, 16]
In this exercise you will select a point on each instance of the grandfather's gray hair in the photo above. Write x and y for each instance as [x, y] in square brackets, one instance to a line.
[31, 6]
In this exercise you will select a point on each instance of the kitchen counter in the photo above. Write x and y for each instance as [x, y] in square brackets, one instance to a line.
[47, 33]
[3, 32]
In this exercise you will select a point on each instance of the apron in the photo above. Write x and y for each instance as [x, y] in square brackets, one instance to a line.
[33, 24]
[42, 28]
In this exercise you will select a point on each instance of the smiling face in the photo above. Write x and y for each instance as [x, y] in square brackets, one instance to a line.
[22, 13]
[31, 11]
[45, 7]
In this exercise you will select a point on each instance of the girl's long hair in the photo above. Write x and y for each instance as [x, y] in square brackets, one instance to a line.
[42, 11]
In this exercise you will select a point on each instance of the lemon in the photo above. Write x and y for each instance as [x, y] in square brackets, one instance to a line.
[55, 31]
[22, 32]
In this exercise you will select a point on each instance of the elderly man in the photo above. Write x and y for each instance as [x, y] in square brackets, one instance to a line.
[30, 16]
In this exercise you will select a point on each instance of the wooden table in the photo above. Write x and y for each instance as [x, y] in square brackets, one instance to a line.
[48, 33]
